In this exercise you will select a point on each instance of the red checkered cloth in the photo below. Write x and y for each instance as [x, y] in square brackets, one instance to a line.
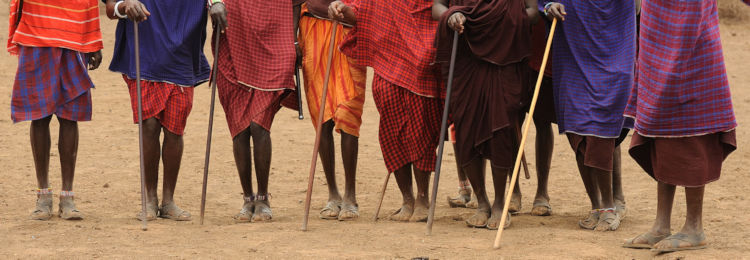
[50, 81]
[262, 36]
[168, 103]
[242, 104]
[409, 125]
[396, 38]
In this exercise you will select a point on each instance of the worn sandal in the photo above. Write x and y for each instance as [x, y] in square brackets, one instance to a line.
[590, 221]
[331, 210]
[651, 240]
[171, 211]
[349, 212]
[43, 210]
[694, 243]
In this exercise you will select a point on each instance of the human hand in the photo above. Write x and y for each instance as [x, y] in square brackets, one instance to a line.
[94, 59]
[456, 22]
[135, 10]
[218, 13]
[556, 10]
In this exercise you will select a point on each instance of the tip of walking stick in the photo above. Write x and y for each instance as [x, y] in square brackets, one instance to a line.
[301, 117]
[496, 247]
[144, 228]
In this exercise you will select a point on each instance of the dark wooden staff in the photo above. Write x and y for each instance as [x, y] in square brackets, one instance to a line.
[526, 124]
[319, 125]
[382, 195]
[144, 216]
[297, 67]
[443, 129]
[210, 121]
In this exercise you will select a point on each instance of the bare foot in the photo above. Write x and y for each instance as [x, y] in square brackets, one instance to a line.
[173, 212]
[515, 204]
[331, 210]
[479, 220]
[460, 201]
[349, 211]
[43, 209]
[68, 209]
[541, 208]
[403, 214]
[494, 221]
[151, 211]
[681, 241]
[420, 213]
[590, 221]
[246, 213]
[262, 211]
[645, 240]
[608, 221]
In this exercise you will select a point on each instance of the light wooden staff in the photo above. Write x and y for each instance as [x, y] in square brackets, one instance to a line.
[443, 129]
[144, 216]
[319, 125]
[215, 73]
[382, 195]
[526, 124]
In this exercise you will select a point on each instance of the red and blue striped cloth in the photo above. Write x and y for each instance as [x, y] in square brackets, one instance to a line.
[682, 87]
[593, 55]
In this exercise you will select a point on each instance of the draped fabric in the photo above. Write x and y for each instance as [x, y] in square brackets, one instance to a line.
[396, 38]
[593, 57]
[682, 88]
[171, 43]
[69, 24]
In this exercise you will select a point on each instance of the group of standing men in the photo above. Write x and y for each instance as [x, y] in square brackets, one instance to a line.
[670, 86]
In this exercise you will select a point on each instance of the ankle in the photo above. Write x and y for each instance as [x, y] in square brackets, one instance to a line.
[44, 192]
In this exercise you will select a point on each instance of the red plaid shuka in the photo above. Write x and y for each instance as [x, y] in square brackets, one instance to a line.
[167, 102]
[682, 87]
[396, 38]
[409, 126]
[261, 35]
[50, 81]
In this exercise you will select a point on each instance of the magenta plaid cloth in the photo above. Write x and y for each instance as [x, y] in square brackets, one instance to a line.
[396, 38]
[261, 43]
[682, 87]
[50, 81]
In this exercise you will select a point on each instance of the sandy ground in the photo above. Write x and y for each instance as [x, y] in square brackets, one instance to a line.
[107, 187]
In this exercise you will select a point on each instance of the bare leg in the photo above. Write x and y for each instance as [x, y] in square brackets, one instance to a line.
[422, 203]
[328, 159]
[476, 174]
[463, 199]
[403, 179]
[262, 157]
[499, 175]
[349, 152]
[40, 148]
[545, 142]
[691, 236]
[617, 192]
[592, 191]
[172, 158]
[661, 228]
[151, 155]
[608, 219]
[244, 163]
[68, 149]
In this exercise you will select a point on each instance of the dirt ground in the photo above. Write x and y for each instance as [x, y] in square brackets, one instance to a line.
[107, 187]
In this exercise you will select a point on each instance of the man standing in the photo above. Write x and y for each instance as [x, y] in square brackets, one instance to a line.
[172, 33]
[594, 55]
[344, 102]
[684, 120]
[396, 39]
[489, 89]
[56, 42]
[256, 67]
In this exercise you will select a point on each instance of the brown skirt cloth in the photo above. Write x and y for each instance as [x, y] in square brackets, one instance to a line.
[683, 161]
[545, 104]
[597, 152]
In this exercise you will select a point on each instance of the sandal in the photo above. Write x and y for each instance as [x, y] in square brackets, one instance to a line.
[460, 201]
[493, 226]
[591, 221]
[151, 212]
[331, 210]
[477, 215]
[651, 240]
[67, 208]
[515, 204]
[246, 213]
[262, 211]
[43, 210]
[349, 212]
[171, 211]
[608, 220]
[694, 242]
[541, 208]
[621, 209]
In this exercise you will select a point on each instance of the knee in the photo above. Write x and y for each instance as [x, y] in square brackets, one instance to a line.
[258, 132]
[44, 122]
[64, 123]
[151, 127]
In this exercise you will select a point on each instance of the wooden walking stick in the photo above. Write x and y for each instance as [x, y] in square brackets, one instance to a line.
[144, 215]
[297, 67]
[443, 128]
[382, 195]
[319, 125]
[526, 124]
[210, 121]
